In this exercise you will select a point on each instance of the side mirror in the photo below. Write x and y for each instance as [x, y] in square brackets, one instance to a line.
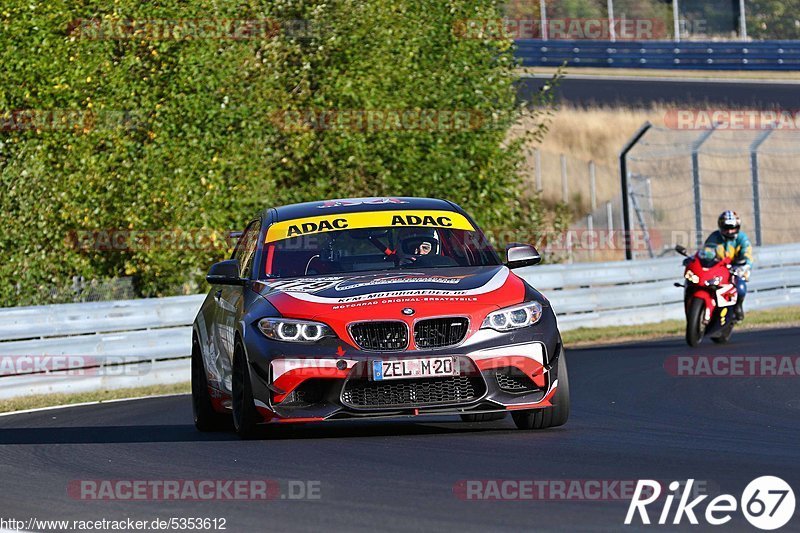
[521, 255]
[225, 273]
[681, 250]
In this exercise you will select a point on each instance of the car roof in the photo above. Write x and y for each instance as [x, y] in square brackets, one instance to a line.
[354, 205]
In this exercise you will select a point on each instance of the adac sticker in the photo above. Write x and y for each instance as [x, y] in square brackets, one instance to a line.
[371, 219]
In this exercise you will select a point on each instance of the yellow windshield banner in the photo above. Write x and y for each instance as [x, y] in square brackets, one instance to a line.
[369, 219]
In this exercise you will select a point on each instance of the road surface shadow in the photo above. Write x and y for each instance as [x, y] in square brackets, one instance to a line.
[187, 432]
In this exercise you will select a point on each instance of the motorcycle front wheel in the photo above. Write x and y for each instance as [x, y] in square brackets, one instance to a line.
[694, 322]
[724, 336]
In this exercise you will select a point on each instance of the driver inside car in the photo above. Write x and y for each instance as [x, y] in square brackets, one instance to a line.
[419, 244]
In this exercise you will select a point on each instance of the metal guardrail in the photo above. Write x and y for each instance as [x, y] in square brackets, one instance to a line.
[639, 292]
[730, 55]
[143, 342]
[116, 344]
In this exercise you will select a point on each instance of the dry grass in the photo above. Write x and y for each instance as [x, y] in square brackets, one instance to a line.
[598, 134]
[49, 400]
[584, 135]
[771, 318]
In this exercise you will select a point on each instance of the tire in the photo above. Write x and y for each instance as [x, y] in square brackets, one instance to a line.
[245, 416]
[694, 322]
[483, 417]
[205, 417]
[549, 417]
[727, 331]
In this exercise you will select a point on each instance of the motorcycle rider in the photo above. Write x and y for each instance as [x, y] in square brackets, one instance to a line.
[729, 241]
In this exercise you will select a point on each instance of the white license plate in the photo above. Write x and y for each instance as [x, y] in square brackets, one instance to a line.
[414, 368]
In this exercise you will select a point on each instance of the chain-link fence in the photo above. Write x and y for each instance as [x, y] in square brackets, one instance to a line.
[80, 290]
[703, 20]
[590, 191]
[679, 181]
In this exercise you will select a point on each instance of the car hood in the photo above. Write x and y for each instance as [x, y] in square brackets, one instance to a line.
[431, 290]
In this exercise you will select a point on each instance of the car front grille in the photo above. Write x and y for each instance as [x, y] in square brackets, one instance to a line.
[440, 332]
[412, 392]
[380, 336]
[514, 380]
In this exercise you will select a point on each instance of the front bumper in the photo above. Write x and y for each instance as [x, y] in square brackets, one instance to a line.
[313, 383]
[316, 389]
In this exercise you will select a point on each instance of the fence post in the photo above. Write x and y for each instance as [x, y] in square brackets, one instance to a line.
[569, 247]
[610, 217]
[613, 30]
[742, 21]
[593, 185]
[77, 285]
[538, 162]
[564, 185]
[754, 173]
[698, 199]
[623, 174]
[592, 240]
[543, 18]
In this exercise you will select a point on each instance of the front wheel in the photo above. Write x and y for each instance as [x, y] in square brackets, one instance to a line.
[725, 336]
[549, 417]
[694, 322]
[205, 417]
[245, 416]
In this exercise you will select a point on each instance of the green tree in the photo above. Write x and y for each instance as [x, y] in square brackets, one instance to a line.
[185, 134]
[773, 19]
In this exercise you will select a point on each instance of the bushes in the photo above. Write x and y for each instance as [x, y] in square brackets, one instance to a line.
[170, 135]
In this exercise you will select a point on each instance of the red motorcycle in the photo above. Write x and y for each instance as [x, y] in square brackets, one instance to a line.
[709, 298]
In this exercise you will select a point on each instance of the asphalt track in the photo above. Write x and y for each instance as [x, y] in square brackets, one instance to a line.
[637, 92]
[630, 420]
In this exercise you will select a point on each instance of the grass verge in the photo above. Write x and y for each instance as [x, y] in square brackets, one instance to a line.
[49, 400]
[784, 316]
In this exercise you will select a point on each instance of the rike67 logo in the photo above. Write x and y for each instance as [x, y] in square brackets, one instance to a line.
[767, 502]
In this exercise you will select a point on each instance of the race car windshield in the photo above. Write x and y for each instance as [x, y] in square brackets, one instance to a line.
[382, 248]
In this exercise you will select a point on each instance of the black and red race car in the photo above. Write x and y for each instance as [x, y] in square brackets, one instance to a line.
[374, 308]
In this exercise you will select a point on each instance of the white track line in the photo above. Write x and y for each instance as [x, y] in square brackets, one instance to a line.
[84, 404]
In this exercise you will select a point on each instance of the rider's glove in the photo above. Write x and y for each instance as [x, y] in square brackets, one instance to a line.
[742, 272]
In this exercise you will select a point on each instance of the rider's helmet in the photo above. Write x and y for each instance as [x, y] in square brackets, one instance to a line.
[729, 224]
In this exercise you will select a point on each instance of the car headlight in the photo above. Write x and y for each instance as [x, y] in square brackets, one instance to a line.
[691, 276]
[287, 330]
[518, 316]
